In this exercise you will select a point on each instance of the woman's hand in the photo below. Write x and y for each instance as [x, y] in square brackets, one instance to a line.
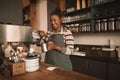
[42, 34]
[51, 45]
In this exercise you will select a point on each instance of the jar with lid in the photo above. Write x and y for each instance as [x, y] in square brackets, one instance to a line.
[104, 25]
[80, 28]
[88, 27]
[72, 27]
[76, 27]
[111, 24]
[117, 23]
[97, 25]
[83, 27]
[68, 27]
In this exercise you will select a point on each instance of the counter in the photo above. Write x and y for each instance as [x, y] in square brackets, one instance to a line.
[102, 59]
[44, 74]
[105, 68]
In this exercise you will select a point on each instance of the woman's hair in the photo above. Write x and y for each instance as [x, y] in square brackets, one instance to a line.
[57, 12]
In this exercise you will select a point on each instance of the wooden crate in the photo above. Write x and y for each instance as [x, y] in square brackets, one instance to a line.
[18, 68]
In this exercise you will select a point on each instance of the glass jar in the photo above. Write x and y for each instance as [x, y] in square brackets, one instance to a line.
[97, 25]
[80, 28]
[88, 27]
[83, 27]
[104, 25]
[111, 24]
[117, 23]
[76, 27]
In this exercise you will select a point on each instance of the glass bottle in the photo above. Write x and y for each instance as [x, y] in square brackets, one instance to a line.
[89, 3]
[83, 3]
[78, 5]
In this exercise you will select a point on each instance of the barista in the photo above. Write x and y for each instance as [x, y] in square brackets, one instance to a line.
[60, 43]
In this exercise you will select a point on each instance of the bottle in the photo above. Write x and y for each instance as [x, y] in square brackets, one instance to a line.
[89, 3]
[83, 3]
[8, 50]
[78, 5]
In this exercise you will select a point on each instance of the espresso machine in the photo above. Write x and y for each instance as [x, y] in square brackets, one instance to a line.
[14, 41]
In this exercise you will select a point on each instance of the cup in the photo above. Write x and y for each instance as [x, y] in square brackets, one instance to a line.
[44, 47]
[112, 43]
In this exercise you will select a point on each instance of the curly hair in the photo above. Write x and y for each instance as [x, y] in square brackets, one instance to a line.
[57, 12]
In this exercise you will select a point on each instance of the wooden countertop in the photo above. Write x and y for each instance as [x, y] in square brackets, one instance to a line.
[43, 74]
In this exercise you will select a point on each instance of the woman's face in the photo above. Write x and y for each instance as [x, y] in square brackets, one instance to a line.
[56, 22]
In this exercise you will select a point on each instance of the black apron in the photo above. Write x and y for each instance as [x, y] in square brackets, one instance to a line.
[55, 57]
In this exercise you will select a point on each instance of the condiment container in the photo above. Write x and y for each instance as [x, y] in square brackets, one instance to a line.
[117, 23]
[97, 25]
[111, 24]
[104, 25]
[31, 64]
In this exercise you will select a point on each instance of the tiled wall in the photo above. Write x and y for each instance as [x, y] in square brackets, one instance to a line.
[97, 38]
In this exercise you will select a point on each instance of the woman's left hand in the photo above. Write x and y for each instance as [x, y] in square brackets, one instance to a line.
[51, 45]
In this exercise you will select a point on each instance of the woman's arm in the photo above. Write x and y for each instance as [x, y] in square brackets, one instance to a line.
[51, 46]
[69, 42]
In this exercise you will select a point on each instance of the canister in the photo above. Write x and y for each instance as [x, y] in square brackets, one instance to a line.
[111, 24]
[117, 23]
[31, 64]
[104, 25]
[97, 25]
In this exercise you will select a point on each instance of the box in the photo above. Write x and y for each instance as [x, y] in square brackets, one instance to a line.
[18, 68]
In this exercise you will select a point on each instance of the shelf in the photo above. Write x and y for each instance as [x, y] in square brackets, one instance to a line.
[107, 10]
[96, 32]
[102, 11]
[77, 11]
[107, 31]
[82, 32]
[107, 16]
[79, 21]
[104, 4]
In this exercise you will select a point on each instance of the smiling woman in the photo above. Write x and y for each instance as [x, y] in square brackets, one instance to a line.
[11, 11]
[60, 43]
